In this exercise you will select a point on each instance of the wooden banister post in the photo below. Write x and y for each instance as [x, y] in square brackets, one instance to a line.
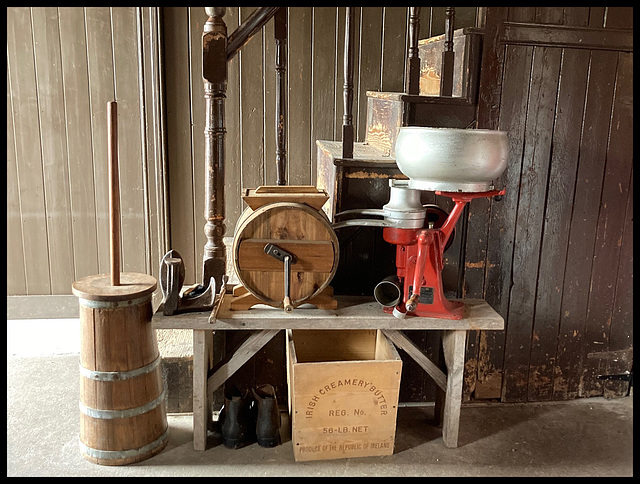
[412, 74]
[448, 56]
[280, 25]
[347, 119]
[214, 73]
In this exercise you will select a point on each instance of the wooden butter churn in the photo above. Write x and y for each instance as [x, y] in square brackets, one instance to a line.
[122, 398]
[285, 251]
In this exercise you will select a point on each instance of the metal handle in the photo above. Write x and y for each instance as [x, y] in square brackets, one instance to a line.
[423, 247]
[359, 222]
[287, 284]
[288, 258]
[361, 211]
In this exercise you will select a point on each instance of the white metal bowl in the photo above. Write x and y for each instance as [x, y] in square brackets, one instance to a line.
[451, 159]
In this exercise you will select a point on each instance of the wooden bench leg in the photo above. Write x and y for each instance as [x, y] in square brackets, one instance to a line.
[204, 385]
[453, 343]
[201, 407]
[441, 392]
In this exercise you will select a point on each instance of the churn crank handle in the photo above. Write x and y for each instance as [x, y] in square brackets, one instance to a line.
[114, 192]
[424, 239]
[288, 259]
[287, 284]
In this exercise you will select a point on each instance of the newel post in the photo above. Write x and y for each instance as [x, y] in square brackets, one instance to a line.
[214, 73]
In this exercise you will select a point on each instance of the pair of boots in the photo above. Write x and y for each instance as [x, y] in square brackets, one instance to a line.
[244, 419]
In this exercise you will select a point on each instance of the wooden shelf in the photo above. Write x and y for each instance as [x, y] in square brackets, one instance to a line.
[352, 313]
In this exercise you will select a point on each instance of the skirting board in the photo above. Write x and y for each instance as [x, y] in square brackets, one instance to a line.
[43, 307]
[61, 306]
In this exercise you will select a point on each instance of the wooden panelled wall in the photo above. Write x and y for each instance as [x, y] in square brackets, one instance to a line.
[63, 65]
[554, 256]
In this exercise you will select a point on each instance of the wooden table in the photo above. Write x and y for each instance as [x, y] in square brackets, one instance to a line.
[352, 313]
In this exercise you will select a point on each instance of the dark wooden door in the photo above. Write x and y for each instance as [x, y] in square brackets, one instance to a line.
[554, 256]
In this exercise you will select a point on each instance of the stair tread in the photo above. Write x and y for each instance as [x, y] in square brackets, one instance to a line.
[457, 33]
[417, 98]
[363, 153]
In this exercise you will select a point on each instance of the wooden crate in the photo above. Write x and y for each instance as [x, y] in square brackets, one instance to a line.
[343, 393]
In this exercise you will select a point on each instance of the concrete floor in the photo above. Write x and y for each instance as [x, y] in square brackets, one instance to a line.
[584, 437]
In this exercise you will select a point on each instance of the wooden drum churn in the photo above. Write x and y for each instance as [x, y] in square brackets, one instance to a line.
[285, 251]
[122, 400]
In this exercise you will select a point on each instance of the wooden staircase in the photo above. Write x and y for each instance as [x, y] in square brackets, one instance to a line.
[441, 90]
[387, 111]
[441, 86]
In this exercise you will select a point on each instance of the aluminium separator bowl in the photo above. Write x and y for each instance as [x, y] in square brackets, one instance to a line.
[451, 159]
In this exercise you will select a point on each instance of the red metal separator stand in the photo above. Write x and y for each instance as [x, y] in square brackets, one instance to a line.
[419, 262]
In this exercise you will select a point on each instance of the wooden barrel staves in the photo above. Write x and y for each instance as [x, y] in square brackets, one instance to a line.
[295, 225]
[122, 399]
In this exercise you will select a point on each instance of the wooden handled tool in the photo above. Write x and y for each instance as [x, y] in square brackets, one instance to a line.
[114, 192]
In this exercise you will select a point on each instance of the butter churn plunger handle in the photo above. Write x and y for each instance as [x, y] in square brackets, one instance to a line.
[114, 192]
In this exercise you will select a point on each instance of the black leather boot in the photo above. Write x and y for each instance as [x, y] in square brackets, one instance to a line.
[238, 419]
[268, 419]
